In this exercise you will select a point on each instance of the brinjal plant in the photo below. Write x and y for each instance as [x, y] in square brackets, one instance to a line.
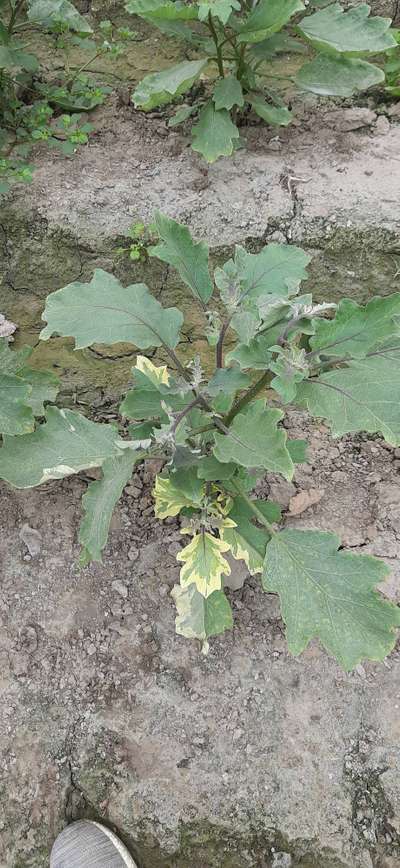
[234, 42]
[33, 107]
[216, 433]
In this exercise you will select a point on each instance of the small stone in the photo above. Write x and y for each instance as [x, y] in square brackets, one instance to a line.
[282, 492]
[133, 553]
[282, 860]
[120, 588]
[32, 539]
[90, 649]
[19, 664]
[382, 126]
[132, 490]
[303, 500]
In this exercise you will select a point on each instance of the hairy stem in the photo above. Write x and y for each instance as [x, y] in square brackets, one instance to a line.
[214, 35]
[184, 412]
[254, 508]
[220, 344]
[257, 387]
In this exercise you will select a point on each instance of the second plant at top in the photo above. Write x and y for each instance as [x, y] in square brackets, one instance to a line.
[241, 38]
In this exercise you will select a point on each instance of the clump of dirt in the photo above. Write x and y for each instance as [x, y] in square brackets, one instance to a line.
[223, 760]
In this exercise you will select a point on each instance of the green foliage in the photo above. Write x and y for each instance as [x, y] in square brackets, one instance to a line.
[392, 67]
[34, 108]
[217, 432]
[237, 41]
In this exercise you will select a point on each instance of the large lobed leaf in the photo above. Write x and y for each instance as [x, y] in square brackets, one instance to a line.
[99, 502]
[363, 396]
[23, 391]
[356, 330]
[267, 18]
[330, 595]
[254, 440]
[350, 32]
[65, 444]
[221, 9]
[159, 88]
[103, 311]
[16, 416]
[190, 258]
[338, 76]
[47, 13]
[204, 563]
[214, 135]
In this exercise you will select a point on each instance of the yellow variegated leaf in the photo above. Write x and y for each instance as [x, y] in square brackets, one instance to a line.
[169, 500]
[157, 375]
[204, 564]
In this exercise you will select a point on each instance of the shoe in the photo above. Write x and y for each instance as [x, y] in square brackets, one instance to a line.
[86, 844]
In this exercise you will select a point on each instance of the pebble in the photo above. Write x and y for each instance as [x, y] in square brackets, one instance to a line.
[32, 539]
[133, 553]
[120, 588]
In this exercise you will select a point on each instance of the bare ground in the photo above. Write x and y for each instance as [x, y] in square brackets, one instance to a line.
[226, 760]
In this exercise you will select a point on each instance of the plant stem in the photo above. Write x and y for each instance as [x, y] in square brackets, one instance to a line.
[254, 508]
[214, 35]
[220, 344]
[248, 396]
[184, 413]
[14, 15]
[82, 68]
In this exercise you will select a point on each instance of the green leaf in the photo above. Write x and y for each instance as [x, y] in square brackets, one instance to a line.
[351, 32]
[290, 368]
[12, 361]
[279, 43]
[181, 115]
[162, 10]
[356, 330]
[16, 416]
[363, 396]
[141, 431]
[227, 93]
[49, 12]
[220, 9]
[209, 469]
[44, 388]
[11, 57]
[254, 440]
[214, 133]
[271, 272]
[201, 617]
[99, 502]
[330, 595]
[338, 76]
[186, 480]
[175, 493]
[248, 542]
[64, 445]
[203, 563]
[103, 311]
[255, 354]
[297, 450]
[158, 88]
[274, 115]
[188, 257]
[246, 324]
[227, 380]
[146, 403]
[267, 18]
